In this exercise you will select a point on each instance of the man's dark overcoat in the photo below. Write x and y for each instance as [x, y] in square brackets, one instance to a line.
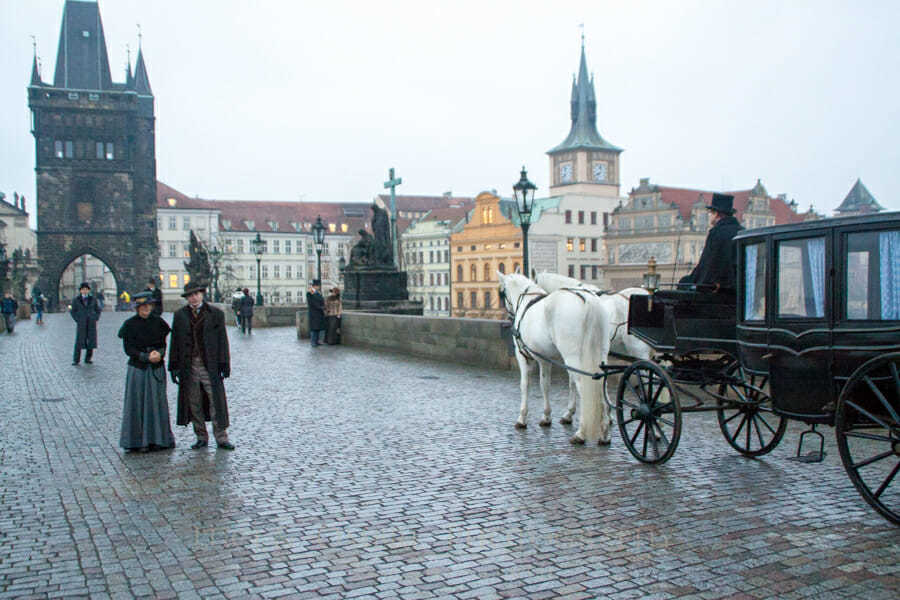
[718, 262]
[216, 358]
[246, 306]
[315, 305]
[85, 313]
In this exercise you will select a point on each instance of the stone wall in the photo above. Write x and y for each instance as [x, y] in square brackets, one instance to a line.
[263, 316]
[468, 341]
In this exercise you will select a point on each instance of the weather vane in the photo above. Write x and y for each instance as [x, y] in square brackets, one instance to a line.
[581, 26]
[140, 35]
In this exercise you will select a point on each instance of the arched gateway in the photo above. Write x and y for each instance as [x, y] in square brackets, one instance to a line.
[95, 159]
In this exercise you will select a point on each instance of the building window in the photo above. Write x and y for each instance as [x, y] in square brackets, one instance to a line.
[276, 271]
[459, 273]
[100, 153]
[431, 302]
[159, 223]
[173, 280]
[58, 149]
[265, 271]
[287, 246]
[571, 270]
[583, 270]
[581, 244]
[431, 279]
[568, 217]
[110, 154]
[502, 268]
[570, 244]
[240, 246]
[187, 278]
[593, 271]
[186, 223]
[487, 299]
[593, 244]
[459, 299]
[251, 272]
[332, 227]
[473, 298]
[446, 256]
[473, 273]
[288, 297]
[581, 217]
[276, 246]
[515, 268]
[70, 149]
[287, 272]
[593, 217]
[172, 251]
[173, 224]
[487, 271]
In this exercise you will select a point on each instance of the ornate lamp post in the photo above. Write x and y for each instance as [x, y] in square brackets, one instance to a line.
[319, 240]
[259, 246]
[216, 255]
[523, 191]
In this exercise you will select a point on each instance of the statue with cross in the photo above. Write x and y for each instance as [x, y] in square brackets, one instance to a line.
[392, 183]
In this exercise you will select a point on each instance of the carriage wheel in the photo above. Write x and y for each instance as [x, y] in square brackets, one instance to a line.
[868, 433]
[747, 422]
[648, 412]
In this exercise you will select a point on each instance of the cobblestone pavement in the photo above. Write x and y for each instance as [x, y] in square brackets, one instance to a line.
[368, 475]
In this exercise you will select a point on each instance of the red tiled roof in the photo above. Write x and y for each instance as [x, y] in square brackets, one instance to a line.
[422, 203]
[685, 199]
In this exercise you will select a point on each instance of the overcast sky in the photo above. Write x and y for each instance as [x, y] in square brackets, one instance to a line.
[282, 100]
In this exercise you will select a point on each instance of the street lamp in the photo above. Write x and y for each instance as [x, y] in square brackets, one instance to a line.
[216, 256]
[259, 246]
[523, 191]
[319, 241]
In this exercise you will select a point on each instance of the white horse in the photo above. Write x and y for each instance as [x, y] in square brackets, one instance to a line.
[616, 305]
[560, 325]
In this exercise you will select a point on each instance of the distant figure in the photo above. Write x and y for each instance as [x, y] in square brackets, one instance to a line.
[236, 306]
[8, 307]
[124, 300]
[157, 296]
[333, 311]
[717, 266]
[145, 413]
[85, 312]
[246, 312]
[38, 303]
[315, 307]
[199, 363]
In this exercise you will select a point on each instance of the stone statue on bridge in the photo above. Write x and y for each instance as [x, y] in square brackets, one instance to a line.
[198, 267]
[373, 251]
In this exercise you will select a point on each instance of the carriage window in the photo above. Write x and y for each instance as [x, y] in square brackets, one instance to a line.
[755, 282]
[801, 278]
[873, 276]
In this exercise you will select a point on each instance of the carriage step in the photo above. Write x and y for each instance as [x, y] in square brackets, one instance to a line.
[813, 456]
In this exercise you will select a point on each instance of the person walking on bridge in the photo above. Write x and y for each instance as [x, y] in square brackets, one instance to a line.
[9, 306]
[85, 312]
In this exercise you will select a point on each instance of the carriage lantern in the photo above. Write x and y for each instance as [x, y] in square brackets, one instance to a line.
[651, 281]
[524, 193]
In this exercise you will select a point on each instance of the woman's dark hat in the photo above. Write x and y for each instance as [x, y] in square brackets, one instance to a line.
[722, 203]
[142, 298]
[191, 287]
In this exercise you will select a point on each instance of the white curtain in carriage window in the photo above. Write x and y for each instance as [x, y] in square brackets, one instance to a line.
[889, 258]
[751, 255]
[816, 251]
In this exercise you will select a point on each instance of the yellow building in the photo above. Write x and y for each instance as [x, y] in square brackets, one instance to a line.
[491, 241]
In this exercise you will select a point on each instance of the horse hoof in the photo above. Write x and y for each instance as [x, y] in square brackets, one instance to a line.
[545, 423]
[604, 442]
[521, 425]
[576, 441]
[566, 421]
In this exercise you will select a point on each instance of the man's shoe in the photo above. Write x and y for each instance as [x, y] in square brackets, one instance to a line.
[88, 362]
[199, 444]
[225, 445]
[75, 363]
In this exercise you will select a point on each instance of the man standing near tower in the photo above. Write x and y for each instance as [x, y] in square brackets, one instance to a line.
[85, 312]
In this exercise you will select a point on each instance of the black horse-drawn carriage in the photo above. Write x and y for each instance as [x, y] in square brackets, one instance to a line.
[812, 333]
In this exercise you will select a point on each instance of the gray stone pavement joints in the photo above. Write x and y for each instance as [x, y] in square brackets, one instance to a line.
[371, 475]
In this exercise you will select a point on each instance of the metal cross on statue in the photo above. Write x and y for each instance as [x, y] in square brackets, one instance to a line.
[392, 183]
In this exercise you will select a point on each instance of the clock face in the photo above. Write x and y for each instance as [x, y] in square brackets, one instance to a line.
[565, 172]
[600, 171]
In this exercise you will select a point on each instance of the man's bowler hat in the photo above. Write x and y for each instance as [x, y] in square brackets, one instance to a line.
[84, 285]
[191, 287]
[722, 203]
[317, 282]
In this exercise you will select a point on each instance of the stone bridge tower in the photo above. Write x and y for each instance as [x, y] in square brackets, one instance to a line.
[95, 159]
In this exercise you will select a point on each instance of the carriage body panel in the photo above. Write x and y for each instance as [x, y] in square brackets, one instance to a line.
[682, 321]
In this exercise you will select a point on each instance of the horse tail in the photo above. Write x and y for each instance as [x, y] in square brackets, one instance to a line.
[594, 351]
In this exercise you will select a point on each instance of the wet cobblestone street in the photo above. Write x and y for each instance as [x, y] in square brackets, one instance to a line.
[359, 474]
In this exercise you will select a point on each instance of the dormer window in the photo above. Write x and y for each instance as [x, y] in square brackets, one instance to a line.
[296, 226]
[226, 223]
[250, 224]
[273, 225]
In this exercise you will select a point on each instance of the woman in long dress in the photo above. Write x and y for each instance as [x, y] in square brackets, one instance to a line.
[145, 416]
[333, 312]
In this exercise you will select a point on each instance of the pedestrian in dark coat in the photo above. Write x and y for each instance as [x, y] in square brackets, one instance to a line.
[85, 312]
[145, 412]
[333, 311]
[199, 363]
[157, 296]
[718, 262]
[8, 307]
[246, 312]
[315, 307]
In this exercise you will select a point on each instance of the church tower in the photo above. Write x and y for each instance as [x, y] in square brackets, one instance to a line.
[95, 158]
[584, 163]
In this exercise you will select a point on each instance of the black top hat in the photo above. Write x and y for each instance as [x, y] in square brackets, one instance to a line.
[317, 282]
[191, 287]
[142, 298]
[84, 284]
[722, 203]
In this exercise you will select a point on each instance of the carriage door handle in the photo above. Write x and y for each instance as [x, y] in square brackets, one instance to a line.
[767, 356]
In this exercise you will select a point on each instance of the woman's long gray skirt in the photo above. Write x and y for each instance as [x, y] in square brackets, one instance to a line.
[145, 416]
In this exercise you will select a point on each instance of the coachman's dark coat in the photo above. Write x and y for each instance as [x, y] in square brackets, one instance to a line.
[215, 356]
[718, 262]
[85, 313]
[315, 305]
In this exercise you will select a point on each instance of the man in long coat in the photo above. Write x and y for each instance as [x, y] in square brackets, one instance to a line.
[718, 262]
[199, 362]
[85, 312]
[315, 309]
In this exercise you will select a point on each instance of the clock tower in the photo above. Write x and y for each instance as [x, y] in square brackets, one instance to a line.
[584, 163]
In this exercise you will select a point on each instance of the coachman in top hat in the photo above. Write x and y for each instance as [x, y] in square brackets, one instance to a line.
[717, 267]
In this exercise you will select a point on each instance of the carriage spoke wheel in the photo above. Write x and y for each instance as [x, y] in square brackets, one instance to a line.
[648, 412]
[747, 422]
[868, 433]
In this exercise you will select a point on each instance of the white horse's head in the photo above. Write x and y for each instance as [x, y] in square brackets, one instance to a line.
[512, 286]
